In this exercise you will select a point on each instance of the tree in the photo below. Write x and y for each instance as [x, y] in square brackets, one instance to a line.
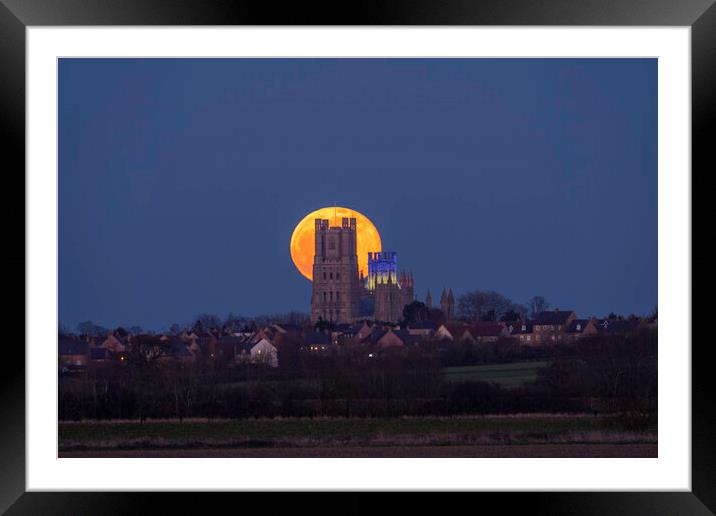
[176, 329]
[485, 305]
[207, 322]
[91, 329]
[511, 315]
[537, 304]
[415, 312]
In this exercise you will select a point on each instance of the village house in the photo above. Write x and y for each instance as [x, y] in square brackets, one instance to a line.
[174, 348]
[616, 326]
[550, 326]
[450, 331]
[425, 329]
[116, 343]
[261, 352]
[316, 341]
[384, 338]
[486, 331]
[522, 331]
[579, 328]
[73, 354]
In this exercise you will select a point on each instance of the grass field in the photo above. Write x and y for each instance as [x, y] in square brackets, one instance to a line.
[579, 450]
[336, 432]
[508, 375]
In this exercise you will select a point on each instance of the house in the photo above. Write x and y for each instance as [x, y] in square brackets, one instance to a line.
[390, 338]
[177, 349]
[373, 337]
[316, 341]
[102, 357]
[486, 331]
[362, 332]
[454, 332]
[73, 354]
[116, 343]
[207, 343]
[261, 352]
[580, 328]
[522, 331]
[616, 326]
[550, 326]
[286, 328]
[424, 329]
[99, 354]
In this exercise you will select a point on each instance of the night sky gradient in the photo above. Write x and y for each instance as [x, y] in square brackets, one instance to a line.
[181, 180]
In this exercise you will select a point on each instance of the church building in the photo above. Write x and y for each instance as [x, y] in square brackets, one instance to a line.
[339, 294]
[336, 289]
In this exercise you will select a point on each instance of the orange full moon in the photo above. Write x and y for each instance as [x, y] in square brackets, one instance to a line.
[303, 238]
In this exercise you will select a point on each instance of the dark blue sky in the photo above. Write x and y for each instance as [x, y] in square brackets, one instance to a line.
[181, 180]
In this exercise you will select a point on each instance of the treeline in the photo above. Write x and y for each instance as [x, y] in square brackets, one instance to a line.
[605, 374]
[205, 321]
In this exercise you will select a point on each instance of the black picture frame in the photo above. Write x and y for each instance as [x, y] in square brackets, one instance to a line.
[16, 15]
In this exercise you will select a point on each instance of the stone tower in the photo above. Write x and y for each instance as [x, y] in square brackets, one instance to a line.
[388, 301]
[447, 304]
[336, 288]
[429, 300]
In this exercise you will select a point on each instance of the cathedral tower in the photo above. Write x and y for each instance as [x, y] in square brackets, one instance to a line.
[336, 288]
[447, 304]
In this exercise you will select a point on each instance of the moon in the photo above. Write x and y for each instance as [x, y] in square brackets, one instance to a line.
[303, 238]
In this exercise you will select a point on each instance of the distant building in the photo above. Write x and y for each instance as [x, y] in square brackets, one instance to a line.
[487, 331]
[316, 341]
[522, 331]
[261, 352]
[336, 290]
[339, 295]
[616, 326]
[424, 329]
[447, 304]
[73, 353]
[579, 328]
[550, 326]
[390, 291]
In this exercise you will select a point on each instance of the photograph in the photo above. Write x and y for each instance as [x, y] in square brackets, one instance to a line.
[357, 257]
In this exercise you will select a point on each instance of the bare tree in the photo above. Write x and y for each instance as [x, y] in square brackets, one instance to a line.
[207, 322]
[537, 304]
[91, 329]
[487, 305]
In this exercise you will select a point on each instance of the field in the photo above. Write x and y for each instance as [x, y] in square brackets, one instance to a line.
[523, 435]
[579, 450]
[509, 375]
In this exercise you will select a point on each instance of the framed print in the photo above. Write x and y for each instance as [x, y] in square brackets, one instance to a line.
[414, 248]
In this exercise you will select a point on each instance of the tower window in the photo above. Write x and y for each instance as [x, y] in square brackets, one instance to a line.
[338, 275]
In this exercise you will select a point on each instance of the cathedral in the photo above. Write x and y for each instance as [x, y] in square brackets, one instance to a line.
[336, 289]
[340, 295]
[390, 293]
